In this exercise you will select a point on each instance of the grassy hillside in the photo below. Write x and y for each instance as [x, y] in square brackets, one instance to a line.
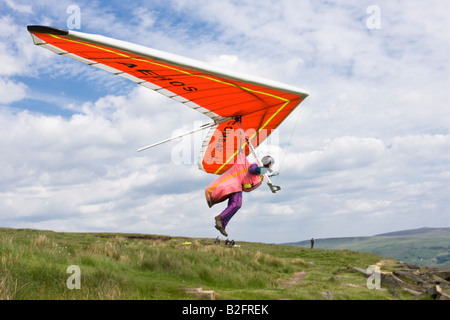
[425, 246]
[33, 265]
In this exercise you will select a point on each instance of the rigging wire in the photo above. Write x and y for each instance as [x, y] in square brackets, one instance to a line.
[289, 143]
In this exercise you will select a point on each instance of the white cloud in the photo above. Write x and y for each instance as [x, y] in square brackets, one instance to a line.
[11, 91]
[19, 7]
[341, 154]
[58, 170]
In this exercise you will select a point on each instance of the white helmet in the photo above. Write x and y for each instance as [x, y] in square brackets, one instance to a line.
[267, 160]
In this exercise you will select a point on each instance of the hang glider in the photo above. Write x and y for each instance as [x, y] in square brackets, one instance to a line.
[235, 102]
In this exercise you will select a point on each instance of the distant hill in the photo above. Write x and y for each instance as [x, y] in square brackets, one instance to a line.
[435, 231]
[423, 246]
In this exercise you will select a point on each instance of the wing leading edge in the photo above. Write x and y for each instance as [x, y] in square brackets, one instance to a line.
[260, 104]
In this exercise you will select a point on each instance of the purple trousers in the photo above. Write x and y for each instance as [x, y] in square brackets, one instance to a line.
[234, 204]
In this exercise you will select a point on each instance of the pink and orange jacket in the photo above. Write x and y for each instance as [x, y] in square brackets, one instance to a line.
[238, 178]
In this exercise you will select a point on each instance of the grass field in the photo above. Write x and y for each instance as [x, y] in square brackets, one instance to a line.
[33, 265]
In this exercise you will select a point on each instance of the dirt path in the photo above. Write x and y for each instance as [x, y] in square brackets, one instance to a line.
[295, 279]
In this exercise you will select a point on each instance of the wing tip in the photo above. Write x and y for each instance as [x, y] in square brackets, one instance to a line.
[48, 30]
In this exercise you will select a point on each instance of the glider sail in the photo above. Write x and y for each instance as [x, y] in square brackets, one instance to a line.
[224, 96]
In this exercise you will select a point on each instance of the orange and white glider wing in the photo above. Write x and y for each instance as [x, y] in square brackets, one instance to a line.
[260, 104]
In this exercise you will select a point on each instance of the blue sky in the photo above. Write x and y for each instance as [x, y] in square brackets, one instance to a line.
[370, 152]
